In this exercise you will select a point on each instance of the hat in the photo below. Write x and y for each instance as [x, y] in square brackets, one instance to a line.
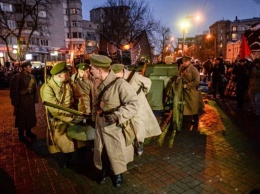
[186, 58]
[117, 67]
[59, 68]
[218, 58]
[26, 63]
[83, 66]
[100, 60]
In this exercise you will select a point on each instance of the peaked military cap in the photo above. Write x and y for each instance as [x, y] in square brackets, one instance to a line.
[59, 68]
[83, 66]
[26, 63]
[100, 60]
[117, 67]
[186, 58]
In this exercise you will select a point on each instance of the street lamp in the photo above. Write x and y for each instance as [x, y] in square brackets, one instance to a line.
[215, 43]
[184, 26]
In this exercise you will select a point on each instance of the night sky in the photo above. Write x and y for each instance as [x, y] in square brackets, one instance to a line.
[172, 12]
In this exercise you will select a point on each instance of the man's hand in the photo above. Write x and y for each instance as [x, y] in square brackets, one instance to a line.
[111, 118]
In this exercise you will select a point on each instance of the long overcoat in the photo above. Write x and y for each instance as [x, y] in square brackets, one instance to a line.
[145, 120]
[122, 97]
[24, 100]
[192, 96]
[60, 120]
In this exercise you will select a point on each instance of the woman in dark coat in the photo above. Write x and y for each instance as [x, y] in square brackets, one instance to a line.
[24, 95]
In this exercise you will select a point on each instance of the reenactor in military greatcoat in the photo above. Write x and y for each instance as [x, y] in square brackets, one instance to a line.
[115, 103]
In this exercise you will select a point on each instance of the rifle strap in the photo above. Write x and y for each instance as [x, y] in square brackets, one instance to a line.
[105, 89]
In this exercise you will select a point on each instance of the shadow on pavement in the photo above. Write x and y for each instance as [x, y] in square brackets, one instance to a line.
[6, 183]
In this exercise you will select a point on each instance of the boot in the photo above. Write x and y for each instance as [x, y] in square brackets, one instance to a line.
[103, 176]
[118, 180]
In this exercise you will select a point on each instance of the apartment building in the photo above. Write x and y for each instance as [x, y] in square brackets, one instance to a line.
[62, 32]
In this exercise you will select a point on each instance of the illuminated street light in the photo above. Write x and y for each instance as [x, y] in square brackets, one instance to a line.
[184, 26]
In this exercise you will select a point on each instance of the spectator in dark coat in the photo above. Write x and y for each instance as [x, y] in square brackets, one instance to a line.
[241, 73]
[23, 94]
[218, 72]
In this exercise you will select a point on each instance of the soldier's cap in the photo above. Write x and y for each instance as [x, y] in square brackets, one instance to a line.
[242, 60]
[186, 58]
[117, 67]
[26, 63]
[83, 66]
[59, 68]
[100, 60]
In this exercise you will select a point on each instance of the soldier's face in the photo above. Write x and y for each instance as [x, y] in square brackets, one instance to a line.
[28, 69]
[64, 76]
[95, 72]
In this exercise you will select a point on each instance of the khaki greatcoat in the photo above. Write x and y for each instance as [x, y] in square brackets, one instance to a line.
[60, 120]
[121, 95]
[145, 120]
[192, 96]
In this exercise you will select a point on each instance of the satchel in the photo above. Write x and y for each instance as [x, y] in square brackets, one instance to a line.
[128, 132]
[80, 132]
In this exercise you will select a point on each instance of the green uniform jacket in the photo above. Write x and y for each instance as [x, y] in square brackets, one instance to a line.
[52, 92]
[192, 97]
[111, 136]
[145, 120]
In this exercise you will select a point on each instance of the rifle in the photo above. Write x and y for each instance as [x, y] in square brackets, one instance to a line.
[72, 111]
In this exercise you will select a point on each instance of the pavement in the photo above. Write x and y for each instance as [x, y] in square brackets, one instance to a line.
[222, 156]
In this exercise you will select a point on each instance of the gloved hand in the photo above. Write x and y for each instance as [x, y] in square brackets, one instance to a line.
[77, 119]
[111, 118]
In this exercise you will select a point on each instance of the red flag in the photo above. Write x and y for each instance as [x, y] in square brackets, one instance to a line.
[244, 48]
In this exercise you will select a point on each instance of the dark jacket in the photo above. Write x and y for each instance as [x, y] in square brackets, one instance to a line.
[24, 99]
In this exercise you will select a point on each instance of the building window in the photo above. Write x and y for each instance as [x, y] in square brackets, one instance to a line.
[79, 24]
[234, 36]
[66, 11]
[221, 31]
[67, 23]
[221, 37]
[11, 24]
[12, 40]
[74, 23]
[80, 35]
[68, 35]
[75, 11]
[29, 25]
[234, 28]
[74, 35]
[6, 7]
[44, 42]
[42, 14]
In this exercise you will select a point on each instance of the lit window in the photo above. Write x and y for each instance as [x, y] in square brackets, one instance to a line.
[6, 7]
[42, 14]
[234, 28]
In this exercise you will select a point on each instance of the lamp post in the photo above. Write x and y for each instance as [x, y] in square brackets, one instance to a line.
[184, 25]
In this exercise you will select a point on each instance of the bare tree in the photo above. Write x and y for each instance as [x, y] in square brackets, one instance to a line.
[19, 17]
[126, 19]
